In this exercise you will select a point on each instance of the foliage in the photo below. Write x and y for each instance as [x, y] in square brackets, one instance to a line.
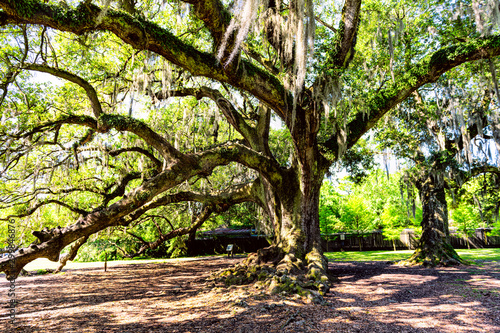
[343, 213]
[496, 229]
[358, 162]
[94, 249]
[376, 203]
[482, 193]
[465, 218]
[395, 219]
[177, 247]
[329, 209]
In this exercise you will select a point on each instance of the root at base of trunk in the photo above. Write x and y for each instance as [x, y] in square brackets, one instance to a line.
[280, 272]
[437, 255]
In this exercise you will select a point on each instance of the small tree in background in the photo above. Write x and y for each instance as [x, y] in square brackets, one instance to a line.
[395, 218]
[466, 219]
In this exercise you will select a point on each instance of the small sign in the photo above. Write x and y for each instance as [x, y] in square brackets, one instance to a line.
[229, 248]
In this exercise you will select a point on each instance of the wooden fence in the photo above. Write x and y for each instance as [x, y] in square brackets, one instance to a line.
[367, 241]
[219, 244]
[374, 240]
[478, 240]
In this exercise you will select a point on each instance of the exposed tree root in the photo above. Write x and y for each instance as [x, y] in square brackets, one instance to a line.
[279, 272]
[438, 255]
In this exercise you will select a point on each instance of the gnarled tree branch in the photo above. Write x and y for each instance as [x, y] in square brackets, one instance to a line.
[89, 89]
[143, 34]
[426, 71]
[54, 240]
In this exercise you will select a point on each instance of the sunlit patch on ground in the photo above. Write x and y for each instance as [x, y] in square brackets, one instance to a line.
[172, 297]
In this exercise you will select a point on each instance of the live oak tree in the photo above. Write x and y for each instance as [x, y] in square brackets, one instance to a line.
[440, 130]
[328, 71]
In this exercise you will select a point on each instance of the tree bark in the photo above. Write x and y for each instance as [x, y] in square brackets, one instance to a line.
[434, 246]
[294, 211]
[72, 253]
[293, 206]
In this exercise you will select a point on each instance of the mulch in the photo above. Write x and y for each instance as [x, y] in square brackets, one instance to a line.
[173, 297]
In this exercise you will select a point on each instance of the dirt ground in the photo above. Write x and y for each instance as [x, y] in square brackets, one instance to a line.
[172, 297]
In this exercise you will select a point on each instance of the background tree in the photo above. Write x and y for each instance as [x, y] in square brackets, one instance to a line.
[482, 193]
[441, 149]
[466, 220]
[475, 204]
[395, 219]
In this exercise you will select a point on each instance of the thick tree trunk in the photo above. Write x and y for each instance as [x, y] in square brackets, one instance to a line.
[190, 242]
[295, 261]
[300, 233]
[296, 250]
[299, 230]
[434, 246]
[294, 211]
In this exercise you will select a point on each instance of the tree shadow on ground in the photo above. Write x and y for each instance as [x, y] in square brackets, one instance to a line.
[172, 297]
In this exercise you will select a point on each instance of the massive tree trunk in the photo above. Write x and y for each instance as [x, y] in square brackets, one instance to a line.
[292, 203]
[434, 246]
[294, 262]
[300, 239]
[299, 231]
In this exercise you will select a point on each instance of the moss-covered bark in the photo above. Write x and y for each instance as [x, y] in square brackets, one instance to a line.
[294, 263]
[434, 246]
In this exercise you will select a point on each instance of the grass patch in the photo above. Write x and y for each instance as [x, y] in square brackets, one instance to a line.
[473, 254]
[39, 265]
[480, 254]
[44, 271]
[368, 255]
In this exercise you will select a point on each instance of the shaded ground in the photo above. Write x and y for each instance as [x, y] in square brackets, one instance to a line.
[172, 297]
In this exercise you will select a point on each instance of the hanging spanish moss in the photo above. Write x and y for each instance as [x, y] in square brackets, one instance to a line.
[105, 8]
[486, 16]
[293, 33]
[328, 93]
[244, 15]
[391, 54]
[166, 77]
[386, 161]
